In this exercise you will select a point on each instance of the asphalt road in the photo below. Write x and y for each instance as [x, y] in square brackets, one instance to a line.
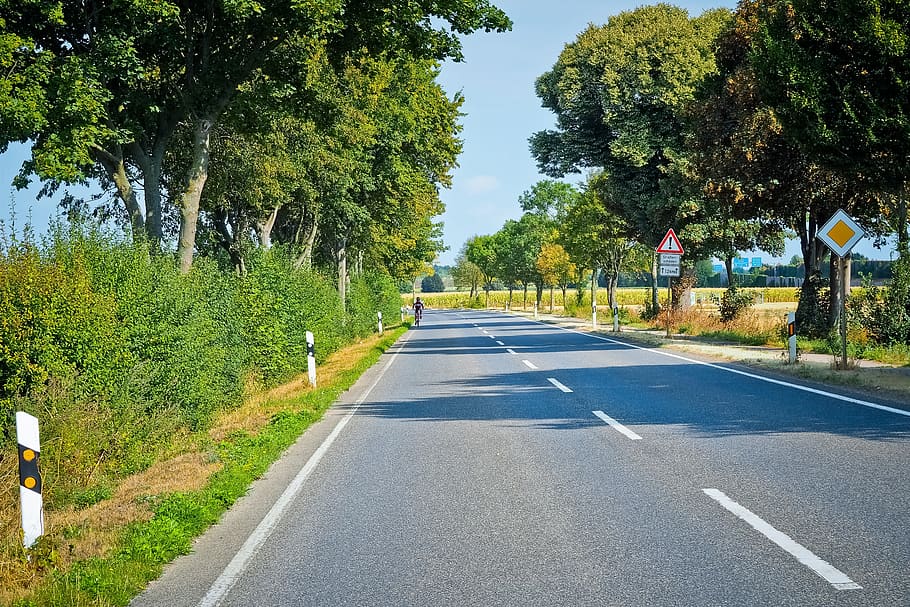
[491, 460]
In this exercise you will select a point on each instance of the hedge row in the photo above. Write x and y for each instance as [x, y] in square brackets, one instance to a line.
[116, 352]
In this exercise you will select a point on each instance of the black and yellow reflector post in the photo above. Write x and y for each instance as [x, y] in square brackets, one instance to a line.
[791, 335]
[29, 478]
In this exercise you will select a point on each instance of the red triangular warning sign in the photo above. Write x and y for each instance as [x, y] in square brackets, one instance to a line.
[670, 244]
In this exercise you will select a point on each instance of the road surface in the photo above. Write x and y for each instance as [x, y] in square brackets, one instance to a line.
[491, 460]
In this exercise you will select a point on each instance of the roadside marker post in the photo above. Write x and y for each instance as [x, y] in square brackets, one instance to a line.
[30, 499]
[616, 319]
[379, 314]
[311, 358]
[535, 310]
[791, 335]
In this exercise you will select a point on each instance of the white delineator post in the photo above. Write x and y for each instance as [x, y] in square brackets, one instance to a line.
[311, 358]
[29, 478]
[616, 319]
[594, 315]
[379, 315]
[791, 335]
[535, 310]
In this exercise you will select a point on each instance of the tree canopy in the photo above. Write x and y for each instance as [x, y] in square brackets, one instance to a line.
[133, 92]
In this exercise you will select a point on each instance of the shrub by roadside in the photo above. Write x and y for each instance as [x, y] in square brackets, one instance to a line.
[122, 358]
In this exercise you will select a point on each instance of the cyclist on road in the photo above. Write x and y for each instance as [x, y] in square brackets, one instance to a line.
[418, 312]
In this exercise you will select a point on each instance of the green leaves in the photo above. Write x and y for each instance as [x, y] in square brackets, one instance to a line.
[837, 75]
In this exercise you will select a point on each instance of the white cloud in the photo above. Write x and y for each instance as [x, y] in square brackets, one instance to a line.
[481, 184]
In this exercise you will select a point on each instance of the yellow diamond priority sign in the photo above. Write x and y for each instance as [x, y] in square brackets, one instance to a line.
[841, 233]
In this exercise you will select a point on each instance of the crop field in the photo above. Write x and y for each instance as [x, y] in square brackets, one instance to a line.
[630, 297]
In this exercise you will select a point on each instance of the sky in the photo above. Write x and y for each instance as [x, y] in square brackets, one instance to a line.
[502, 111]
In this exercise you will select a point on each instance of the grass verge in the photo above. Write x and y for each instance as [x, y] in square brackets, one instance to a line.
[230, 457]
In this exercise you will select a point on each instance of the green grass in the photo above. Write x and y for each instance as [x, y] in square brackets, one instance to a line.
[735, 337]
[144, 548]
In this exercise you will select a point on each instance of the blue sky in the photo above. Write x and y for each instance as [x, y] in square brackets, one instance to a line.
[502, 111]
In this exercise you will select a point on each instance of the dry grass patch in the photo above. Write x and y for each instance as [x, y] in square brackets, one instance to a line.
[95, 528]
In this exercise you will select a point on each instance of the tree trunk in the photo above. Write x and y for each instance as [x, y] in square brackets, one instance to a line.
[115, 168]
[305, 238]
[154, 227]
[341, 258]
[901, 228]
[611, 290]
[150, 164]
[229, 240]
[264, 229]
[189, 200]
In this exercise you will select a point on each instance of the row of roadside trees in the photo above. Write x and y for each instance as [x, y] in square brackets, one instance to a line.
[735, 128]
[563, 236]
[219, 128]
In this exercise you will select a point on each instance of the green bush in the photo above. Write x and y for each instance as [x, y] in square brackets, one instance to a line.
[733, 302]
[116, 352]
[369, 294]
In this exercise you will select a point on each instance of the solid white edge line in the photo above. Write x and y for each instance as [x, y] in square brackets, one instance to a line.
[559, 385]
[771, 380]
[823, 568]
[617, 426]
[529, 364]
[232, 572]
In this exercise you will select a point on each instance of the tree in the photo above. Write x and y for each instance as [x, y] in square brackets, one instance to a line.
[120, 84]
[466, 274]
[619, 93]
[838, 76]
[555, 269]
[595, 237]
[550, 199]
[432, 284]
[480, 251]
[757, 182]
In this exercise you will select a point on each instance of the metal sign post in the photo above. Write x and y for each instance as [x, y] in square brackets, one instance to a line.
[670, 251]
[840, 234]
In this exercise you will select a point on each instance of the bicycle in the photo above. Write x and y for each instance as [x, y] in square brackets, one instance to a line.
[418, 312]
